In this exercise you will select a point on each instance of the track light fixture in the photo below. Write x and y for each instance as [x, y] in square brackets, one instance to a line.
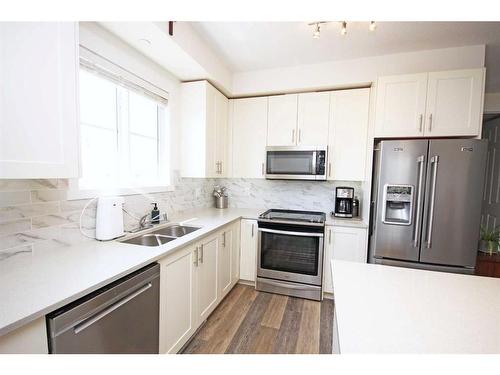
[343, 30]
[372, 26]
[317, 28]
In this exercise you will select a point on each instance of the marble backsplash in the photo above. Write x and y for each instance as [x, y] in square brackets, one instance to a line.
[294, 195]
[38, 211]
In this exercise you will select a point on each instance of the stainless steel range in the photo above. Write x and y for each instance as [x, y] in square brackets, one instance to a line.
[290, 255]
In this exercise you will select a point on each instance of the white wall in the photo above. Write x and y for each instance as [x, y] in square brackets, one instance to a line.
[355, 72]
[104, 43]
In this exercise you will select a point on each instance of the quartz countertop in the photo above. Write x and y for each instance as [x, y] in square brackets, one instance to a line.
[384, 309]
[355, 222]
[32, 285]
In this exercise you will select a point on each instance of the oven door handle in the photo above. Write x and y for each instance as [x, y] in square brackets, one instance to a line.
[300, 234]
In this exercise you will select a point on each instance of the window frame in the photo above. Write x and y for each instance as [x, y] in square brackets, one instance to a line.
[164, 134]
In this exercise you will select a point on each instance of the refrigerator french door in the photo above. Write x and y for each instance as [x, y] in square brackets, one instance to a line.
[426, 204]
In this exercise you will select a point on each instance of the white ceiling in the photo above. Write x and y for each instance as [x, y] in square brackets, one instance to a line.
[246, 46]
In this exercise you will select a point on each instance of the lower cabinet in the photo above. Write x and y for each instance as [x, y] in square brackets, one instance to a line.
[343, 243]
[248, 253]
[194, 280]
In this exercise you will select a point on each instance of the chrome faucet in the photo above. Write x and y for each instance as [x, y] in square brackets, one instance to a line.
[145, 222]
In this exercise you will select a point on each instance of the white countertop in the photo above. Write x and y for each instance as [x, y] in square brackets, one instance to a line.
[34, 285]
[384, 309]
[355, 222]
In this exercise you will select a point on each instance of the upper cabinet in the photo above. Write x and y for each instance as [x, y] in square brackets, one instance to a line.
[438, 104]
[249, 130]
[282, 120]
[38, 100]
[298, 119]
[347, 137]
[312, 118]
[204, 117]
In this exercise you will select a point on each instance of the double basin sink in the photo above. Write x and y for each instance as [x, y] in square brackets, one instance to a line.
[161, 236]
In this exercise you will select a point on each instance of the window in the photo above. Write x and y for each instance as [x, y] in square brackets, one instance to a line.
[124, 135]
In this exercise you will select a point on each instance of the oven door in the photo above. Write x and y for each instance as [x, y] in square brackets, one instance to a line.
[295, 256]
[291, 163]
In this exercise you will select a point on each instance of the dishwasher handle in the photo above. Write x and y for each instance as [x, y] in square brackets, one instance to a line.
[95, 318]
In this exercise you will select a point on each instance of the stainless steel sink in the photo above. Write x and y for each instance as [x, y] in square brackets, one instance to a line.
[161, 236]
[175, 230]
[149, 240]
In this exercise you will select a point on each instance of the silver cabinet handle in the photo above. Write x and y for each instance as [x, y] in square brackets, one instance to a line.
[263, 172]
[196, 257]
[289, 233]
[329, 236]
[430, 218]
[300, 135]
[217, 167]
[293, 135]
[420, 163]
[201, 253]
[421, 123]
[330, 169]
[224, 239]
[252, 229]
[93, 319]
[220, 164]
[430, 122]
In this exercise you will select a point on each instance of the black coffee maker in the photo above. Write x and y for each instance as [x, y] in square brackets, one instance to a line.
[344, 197]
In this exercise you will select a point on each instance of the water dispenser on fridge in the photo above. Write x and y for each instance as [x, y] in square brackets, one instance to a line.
[398, 204]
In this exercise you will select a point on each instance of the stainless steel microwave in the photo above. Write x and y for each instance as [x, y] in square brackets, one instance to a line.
[296, 163]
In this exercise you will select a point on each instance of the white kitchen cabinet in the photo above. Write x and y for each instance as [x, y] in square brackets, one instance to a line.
[343, 243]
[204, 130]
[454, 103]
[235, 253]
[38, 100]
[400, 105]
[347, 136]
[249, 134]
[225, 262]
[436, 104]
[248, 250]
[313, 118]
[178, 295]
[282, 120]
[207, 275]
[28, 339]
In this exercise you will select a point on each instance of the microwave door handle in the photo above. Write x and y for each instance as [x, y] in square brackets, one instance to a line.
[418, 213]
[314, 171]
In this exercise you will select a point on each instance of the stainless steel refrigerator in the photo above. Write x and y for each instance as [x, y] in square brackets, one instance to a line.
[426, 203]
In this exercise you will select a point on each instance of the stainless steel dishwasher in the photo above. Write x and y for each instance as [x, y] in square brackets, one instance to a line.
[122, 317]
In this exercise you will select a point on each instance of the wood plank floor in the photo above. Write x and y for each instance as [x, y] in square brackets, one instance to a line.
[251, 322]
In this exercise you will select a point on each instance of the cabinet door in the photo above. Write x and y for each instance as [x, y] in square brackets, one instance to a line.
[248, 252]
[343, 243]
[454, 103]
[400, 105]
[235, 249]
[222, 140]
[211, 153]
[282, 120]
[347, 140]
[249, 129]
[313, 117]
[206, 274]
[225, 262]
[38, 100]
[177, 300]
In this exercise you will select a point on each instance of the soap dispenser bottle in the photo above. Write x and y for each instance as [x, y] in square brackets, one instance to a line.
[155, 214]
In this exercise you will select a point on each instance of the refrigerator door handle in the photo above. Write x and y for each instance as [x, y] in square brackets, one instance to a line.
[430, 219]
[418, 211]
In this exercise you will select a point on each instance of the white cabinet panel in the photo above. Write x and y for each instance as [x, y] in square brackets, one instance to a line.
[28, 339]
[207, 277]
[347, 137]
[235, 256]
[204, 130]
[400, 105]
[343, 243]
[177, 300]
[313, 116]
[225, 262]
[282, 120]
[249, 130]
[38, 100]
[248, 252]
[454, 103]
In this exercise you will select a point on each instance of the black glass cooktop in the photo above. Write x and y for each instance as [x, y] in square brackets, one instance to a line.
[294, 215]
